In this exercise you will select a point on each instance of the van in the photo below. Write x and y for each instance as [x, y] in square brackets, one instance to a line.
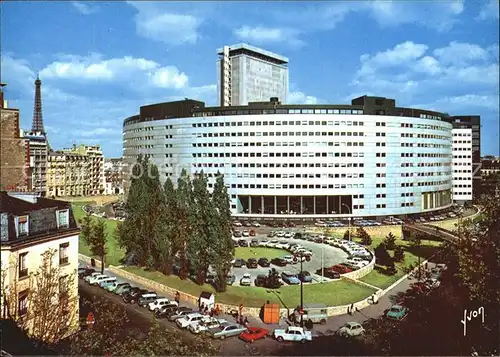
[107, 281]
[313, 314]
[145, 299]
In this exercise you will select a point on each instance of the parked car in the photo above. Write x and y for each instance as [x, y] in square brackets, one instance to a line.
[186, 320]
[167, 311]
[147, 298]
[92, 276]
[341, 269]
[247, 224]
[305, 276]
[292, 334]
[432, 283]
[112, 287]
[159, 303]
[260, 280]
[312, 313]
[397, 312]
[255, 224]
[252, 263]
[210, 278]
[252, 233]
[290, 278]
[237, 234]
[182, 311]
[263, 243]
[331, 274]
[253, 333]
[420, 287]
[238, 263]
[133, 295]
[84, 272]
[106, 282]
[237, 224]
[271, 234]
[205, 324]
[246, 280]
[279, 262]
[264, 262]
[226, 329]
[289, 259]
[231, 278]
[254, 243]
[97, 279]
[243, 243]
[351, 329]
[245, 233]
[122, 289]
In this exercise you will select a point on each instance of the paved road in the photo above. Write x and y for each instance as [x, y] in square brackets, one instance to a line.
[235, 347]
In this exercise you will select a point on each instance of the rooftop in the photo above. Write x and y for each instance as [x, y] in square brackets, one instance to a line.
[252, 49]
[22, 203]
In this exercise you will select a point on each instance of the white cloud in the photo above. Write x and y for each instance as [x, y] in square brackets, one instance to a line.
[122, 69]
[162, 23]
[406, 73]
[84, 8]
[263, 35]
[461, 53]
[489, 10]
[17, 72]
[301, 98]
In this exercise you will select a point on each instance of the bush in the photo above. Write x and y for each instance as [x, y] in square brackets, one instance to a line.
[390, 241]
[364, 236]
[346, 235]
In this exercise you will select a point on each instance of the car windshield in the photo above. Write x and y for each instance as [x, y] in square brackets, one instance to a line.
[395, 309]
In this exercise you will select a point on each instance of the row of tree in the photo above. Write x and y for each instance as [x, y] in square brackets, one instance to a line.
[186, 225]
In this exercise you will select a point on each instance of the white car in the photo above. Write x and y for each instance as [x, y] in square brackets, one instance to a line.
[185, 321]
[288, 235]
[91, 276]
[245, 233]
[296, 248]
[292, 334]
[256, 224]
[351, 329]
[273, 244]
[97, 279]
[432, 283]
[280, 234]
[289, 259]
[205, 325]
[159, 303]
[246, 280]
[355, 263]
[237, 224]
[263, 243]
[283, 245]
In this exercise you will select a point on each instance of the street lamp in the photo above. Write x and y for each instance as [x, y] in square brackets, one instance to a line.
[301, 311]
[349, 220]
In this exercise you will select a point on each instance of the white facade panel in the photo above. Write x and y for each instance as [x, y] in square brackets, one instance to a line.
[462, 165]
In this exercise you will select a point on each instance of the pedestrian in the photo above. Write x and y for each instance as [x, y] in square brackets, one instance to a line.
[177, 297]
[352, 309]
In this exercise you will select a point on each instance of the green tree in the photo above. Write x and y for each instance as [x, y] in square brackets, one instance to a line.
[390, 241]
[224, 245]
[382, 255]
[184, 218]
[347, 235]
[86, 227]
[98, 239]
[399, 254]
[364, 236]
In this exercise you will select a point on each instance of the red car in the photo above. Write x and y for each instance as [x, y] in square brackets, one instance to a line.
[341, 269]
[254, 333]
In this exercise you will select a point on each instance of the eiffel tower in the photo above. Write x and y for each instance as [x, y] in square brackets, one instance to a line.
[37, 110]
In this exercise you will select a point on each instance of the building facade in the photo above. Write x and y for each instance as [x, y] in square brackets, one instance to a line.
[30, 226]
[366, 159]
[95, 167]
[249, 74]
[38, 152]
[463, 170]
[113, 176]
[13, 150]
[472, 123]
[490, 174]
[67, 174]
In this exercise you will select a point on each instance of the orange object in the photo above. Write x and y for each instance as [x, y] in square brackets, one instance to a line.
[271, 313]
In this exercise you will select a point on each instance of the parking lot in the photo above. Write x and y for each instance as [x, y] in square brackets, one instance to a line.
[323, 255]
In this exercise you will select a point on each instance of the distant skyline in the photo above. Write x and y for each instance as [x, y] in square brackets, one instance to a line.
[100, 61]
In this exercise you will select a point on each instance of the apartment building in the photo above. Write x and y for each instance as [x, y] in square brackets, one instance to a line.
[38, 151]
[113, 176]
[67, 174]
[249, 74]
[14, 150]
[95, 168]
[463, 169]
[30, 227]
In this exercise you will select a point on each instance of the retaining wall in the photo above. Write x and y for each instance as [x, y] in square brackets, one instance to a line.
[87, 260]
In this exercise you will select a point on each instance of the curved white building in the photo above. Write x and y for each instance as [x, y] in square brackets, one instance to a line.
[368, 159]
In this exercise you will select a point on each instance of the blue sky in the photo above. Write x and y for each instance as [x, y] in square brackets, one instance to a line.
[100, 61]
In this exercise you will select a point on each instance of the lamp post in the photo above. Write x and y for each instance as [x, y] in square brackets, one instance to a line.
[301, 294]
[349, 219]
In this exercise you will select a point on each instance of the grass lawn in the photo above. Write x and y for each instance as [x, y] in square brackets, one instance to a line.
[374, 231]
[331, 294]
[381, 280]
[258, 252]
[100, 200]
[115, 253]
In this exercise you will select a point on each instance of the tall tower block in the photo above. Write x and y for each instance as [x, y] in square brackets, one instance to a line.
[37, 111]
